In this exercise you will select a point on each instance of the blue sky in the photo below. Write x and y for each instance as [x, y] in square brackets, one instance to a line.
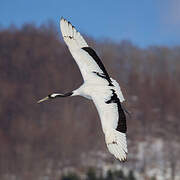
[144, 22]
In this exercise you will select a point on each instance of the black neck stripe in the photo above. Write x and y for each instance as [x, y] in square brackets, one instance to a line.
[65, 95]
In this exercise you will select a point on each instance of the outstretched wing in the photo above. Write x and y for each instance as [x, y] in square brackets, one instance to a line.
[113, 122]
[89, 63]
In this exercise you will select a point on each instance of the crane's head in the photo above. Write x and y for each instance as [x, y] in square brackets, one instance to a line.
[55, 95]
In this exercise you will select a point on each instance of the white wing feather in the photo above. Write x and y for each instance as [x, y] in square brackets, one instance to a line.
[115, 140]
[75, 43]
[71, 36]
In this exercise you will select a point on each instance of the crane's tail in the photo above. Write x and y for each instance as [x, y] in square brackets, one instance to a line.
[71, 36]
[117, 144]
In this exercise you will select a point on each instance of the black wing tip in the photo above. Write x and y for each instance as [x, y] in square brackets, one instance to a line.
[69, 23]
[62, 19]
[123, 160]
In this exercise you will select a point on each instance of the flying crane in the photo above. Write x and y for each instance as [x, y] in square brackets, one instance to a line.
[99, 87]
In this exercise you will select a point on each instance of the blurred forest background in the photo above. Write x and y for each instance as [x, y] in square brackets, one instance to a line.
[48, 140]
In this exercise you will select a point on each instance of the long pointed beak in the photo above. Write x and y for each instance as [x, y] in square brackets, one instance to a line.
[44, 99]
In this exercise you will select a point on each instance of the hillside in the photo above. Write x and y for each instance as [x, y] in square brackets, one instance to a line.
[39, 139]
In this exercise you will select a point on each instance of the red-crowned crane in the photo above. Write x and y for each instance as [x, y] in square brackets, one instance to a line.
[99, 87]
